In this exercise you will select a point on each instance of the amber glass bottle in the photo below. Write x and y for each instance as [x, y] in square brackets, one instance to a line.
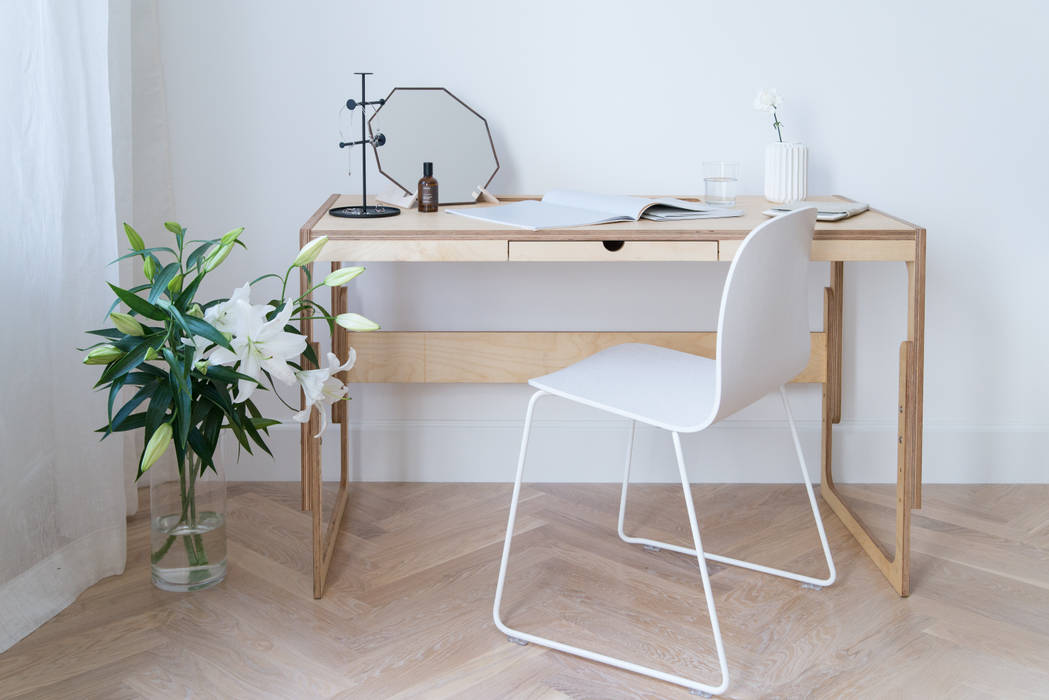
[427, 190]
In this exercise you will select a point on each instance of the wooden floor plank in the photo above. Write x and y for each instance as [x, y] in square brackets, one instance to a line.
[407, 613]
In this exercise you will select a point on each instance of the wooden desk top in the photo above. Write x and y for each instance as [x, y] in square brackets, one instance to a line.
[411, 224]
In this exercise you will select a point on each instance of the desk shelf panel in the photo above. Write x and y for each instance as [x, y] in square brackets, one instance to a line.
[514, 357]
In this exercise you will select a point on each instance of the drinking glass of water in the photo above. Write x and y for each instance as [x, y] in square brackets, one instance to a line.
[721, 179]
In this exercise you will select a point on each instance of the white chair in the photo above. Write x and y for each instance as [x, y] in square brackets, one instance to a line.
[762, 343]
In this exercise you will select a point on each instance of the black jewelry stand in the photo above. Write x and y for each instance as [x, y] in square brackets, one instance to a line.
[364, 211]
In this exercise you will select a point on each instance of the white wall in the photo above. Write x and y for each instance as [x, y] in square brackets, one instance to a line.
[934, 111]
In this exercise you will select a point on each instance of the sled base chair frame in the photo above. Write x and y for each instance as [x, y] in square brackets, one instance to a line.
[735, 386]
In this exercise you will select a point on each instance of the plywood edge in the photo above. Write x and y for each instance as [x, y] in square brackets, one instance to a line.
[826, 250]
[307, 228]
[416, 250]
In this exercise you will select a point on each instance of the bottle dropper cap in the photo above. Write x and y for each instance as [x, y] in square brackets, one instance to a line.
[427, 169]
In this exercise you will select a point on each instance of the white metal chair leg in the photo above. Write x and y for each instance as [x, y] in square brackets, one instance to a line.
[805, 580]
[626, 480]
[518, 636]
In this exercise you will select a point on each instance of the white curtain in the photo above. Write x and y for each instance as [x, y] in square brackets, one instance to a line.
[62, 525]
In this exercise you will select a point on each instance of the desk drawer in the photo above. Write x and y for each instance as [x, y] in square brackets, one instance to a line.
[611, 251]
[380, 250]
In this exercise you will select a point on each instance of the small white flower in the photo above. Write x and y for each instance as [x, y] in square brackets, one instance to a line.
[768, 100]
[322, 389]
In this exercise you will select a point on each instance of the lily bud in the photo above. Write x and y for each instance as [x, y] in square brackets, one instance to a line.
[103, 355]
[216, 257]
[149, 268]
[133, 238]
[231, 236]
[151, 354]
[356, 322]
[342, 276]
[175, 285]
[309, 252]
[195, 311]
[126, 323]
[157, 445]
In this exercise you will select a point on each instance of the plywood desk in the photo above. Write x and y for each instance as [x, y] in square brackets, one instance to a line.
[517, 356]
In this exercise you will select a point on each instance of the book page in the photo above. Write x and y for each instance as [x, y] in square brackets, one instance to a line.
[660, 212]
[685, 204]
[534, 216]
[614, 205]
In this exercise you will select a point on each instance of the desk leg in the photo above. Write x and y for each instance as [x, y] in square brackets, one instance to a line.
[312, 498]
[341, 347]
[916, 333]
[308, 450]
[908, 456]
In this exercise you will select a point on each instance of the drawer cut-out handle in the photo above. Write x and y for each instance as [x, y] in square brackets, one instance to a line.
[612, 246]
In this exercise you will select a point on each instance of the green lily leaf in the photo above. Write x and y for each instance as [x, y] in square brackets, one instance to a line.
[228, 375]
[141, 395]
[159, 404]
[198, 254]
[112, 333]
[198, 326]
[132, 359]
[161, 281]
[132, 422]
[138, 304]
[145, 252]
[114, 389]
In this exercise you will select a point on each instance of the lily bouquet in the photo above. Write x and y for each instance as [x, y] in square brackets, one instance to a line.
[195, 366]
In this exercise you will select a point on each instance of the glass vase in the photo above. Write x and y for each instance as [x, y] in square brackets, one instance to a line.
[187, 515]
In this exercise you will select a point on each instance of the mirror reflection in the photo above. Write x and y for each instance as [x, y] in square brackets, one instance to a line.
[433, 125]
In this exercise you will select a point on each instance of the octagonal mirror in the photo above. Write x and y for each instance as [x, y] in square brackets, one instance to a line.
[433, 125]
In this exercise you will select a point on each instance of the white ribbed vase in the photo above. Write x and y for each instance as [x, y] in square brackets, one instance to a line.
[786, 172]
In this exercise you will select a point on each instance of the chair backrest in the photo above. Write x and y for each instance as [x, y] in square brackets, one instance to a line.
[763, 327]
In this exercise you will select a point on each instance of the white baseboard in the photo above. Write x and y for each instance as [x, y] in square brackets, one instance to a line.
[741, 451]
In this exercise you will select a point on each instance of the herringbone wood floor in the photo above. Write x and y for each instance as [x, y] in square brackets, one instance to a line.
[408, 608]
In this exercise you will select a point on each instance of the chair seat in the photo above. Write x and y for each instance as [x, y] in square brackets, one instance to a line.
[661, 387]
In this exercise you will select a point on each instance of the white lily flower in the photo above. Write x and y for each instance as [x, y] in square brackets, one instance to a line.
[223, 316]
[768, 100]
[321, 388]
[260, 346]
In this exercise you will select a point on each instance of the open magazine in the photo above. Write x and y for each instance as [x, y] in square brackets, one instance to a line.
[566, 208]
